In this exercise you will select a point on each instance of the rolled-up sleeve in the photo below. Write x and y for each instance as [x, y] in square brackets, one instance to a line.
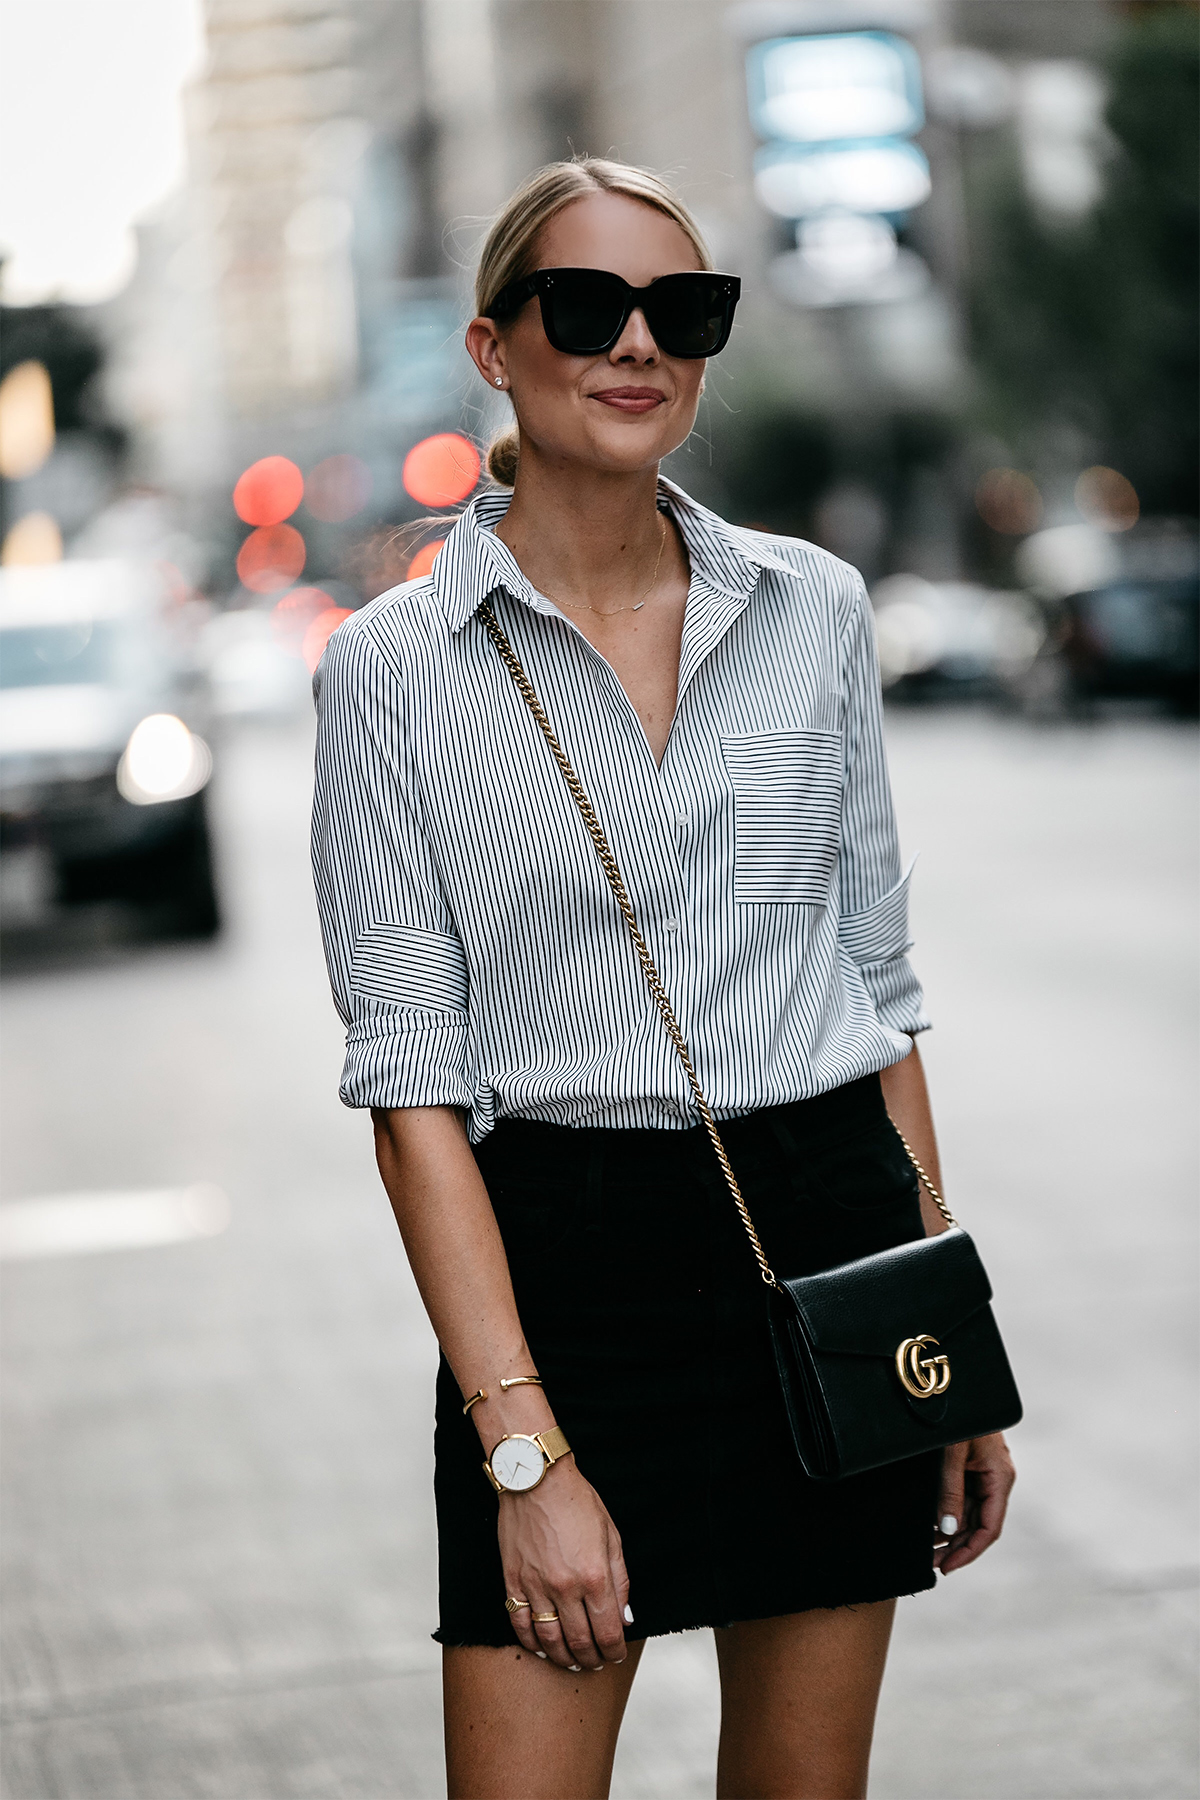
[396, 964]
[872, 892]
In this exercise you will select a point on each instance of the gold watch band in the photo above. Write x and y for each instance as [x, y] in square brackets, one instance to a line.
[553, 1444]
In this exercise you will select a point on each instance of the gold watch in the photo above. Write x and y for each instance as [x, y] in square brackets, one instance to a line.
[519, 1462]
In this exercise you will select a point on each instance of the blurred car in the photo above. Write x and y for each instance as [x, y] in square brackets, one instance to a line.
[102, 774]
[1134, 638]
[939, 639]
[1123, 608]
[253, 672]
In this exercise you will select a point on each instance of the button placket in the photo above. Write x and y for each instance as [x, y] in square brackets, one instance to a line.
[654, 872]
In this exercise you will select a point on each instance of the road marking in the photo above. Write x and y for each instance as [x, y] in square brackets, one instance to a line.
[81, 1224]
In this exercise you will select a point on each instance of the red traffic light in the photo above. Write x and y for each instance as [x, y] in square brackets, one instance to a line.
[271, 558]
[268, 492]
[441, 470]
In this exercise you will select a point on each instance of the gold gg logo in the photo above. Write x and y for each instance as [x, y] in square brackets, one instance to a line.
[922, 1376]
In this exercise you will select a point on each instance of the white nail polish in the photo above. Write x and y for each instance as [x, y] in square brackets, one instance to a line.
[574, 1669]
[541, 1655]
[628, 1615]
[949, 1524]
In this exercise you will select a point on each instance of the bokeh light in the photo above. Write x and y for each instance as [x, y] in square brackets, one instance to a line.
[271, 558]
[337, 488]
[441, 470]
[26, 420]
[319, 633]
[34, 539]
[292, 616]
[269, 491]
[1107, 498]
[177, 587]
[1009, 502]
[422, 562]
[163, 761]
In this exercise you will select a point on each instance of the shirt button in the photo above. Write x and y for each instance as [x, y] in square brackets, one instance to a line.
[681, 821]
[672, 924]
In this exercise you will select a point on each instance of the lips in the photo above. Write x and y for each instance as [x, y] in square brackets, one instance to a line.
[630, 399]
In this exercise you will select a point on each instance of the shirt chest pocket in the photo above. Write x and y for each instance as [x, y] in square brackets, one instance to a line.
[787, 788]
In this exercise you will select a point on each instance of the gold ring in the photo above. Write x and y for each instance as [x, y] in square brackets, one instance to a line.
[545, 1618]
[514, 1605]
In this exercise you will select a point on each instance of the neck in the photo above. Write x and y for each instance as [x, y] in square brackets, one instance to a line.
[583, 534]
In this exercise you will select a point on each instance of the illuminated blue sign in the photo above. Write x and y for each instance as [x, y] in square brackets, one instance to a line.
[812, 90]
[878, 175]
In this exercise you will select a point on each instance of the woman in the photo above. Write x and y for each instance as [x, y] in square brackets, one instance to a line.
[715, 690]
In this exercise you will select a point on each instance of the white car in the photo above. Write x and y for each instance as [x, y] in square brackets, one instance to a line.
[102, 774]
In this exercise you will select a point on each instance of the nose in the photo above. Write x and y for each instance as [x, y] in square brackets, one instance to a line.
[636, 343]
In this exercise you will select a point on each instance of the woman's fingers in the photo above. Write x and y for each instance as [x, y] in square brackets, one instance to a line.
[991, 1477]
[550, 1639]
[562, 1553]
[577, 1630]
[620, 1577]
[604, 1616]
[951, 1501]
[589, 1630]
[522, 1624]
[558, 1637]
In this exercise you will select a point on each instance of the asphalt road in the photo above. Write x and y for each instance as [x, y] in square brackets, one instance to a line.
[219, 1527]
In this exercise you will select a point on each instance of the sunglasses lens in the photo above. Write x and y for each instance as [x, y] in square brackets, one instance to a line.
[585, 311]
[690, 315]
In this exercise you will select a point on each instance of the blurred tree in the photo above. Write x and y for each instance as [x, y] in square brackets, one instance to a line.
[73, 354]
[54, 336]
[774, 465]
[1086, 333]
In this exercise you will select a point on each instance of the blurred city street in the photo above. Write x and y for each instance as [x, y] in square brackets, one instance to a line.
[239, 242]
[220, 1546]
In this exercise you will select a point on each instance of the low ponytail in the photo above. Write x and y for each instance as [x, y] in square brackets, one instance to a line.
[502, 457]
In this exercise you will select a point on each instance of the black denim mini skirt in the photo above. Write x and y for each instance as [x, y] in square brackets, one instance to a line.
[646, 1314]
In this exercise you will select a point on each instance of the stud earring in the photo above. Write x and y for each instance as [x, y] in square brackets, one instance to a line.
[499, 383]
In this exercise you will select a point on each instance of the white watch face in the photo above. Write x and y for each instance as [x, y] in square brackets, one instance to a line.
[518, 1463]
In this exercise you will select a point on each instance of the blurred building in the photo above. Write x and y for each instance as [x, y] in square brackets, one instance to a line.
[306, 291]
[345, 156]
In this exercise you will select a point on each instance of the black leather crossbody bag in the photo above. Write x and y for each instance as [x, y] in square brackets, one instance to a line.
[881, 1358]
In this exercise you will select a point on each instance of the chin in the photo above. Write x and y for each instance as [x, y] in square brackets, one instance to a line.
[627, 452]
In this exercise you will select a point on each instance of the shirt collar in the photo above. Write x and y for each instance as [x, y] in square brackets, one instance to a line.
[474, 562]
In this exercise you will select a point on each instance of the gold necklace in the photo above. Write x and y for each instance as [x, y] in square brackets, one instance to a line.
[638, 604]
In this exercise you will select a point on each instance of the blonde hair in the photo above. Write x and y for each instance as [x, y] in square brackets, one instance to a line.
[510, 250]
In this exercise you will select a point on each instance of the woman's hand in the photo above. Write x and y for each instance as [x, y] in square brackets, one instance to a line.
[562, 1553]
[977, 1478]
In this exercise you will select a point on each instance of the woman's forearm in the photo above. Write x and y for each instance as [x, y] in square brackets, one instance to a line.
[907, 1099]
[457, 1256]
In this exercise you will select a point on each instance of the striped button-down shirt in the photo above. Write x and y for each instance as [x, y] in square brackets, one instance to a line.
[476, 953]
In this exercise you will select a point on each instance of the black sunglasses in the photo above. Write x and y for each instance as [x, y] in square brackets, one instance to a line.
[584, 311]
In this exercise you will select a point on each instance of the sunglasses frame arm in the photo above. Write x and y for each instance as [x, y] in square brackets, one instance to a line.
[513, 295]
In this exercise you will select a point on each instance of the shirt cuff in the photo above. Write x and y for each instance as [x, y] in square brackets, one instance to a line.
[416, 1060]
[881, 930]
[405, 966]
[896, 994]
[876, 940]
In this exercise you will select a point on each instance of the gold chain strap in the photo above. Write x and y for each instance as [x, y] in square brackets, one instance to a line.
[929, 1187]
[608, 863]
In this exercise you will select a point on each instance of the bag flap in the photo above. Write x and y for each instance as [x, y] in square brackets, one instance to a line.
[866, 1308]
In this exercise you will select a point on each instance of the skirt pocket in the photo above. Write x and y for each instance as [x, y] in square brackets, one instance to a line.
[869, 1175]
[852, 1198]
